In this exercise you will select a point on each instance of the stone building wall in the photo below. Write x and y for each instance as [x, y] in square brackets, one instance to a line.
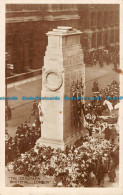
[26, 26]
[99, 24]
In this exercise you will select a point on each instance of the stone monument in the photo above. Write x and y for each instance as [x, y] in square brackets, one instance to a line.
[63, 77]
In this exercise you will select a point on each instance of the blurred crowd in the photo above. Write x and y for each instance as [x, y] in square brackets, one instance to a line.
[25, 139]
[98, 118]
[96, 108]
[108, 56]
[84, 164]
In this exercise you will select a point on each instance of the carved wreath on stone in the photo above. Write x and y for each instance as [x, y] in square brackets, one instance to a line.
[53, 80]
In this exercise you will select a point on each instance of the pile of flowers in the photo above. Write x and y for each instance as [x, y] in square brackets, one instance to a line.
[69, 168]
[98, 127]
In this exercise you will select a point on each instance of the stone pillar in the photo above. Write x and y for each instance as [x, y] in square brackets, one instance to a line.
[109, 34]
[114, 34]
[63, 66]
[103, 37]
[88, 38]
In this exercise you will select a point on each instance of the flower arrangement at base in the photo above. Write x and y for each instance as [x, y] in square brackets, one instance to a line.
[74, 167]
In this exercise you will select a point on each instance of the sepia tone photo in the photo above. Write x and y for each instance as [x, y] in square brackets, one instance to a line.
[62, 95]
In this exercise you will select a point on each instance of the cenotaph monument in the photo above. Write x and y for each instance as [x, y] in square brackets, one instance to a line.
[63, 77]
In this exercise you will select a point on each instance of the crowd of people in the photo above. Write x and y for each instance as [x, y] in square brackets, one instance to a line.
[23, 141]
[95, 111]
[25, 136]
[95, 108]
[107, 56]
[84, 164]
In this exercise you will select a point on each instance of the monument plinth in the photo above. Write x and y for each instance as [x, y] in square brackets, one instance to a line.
[63, 75]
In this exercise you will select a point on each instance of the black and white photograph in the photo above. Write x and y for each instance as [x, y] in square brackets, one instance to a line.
[62, 95]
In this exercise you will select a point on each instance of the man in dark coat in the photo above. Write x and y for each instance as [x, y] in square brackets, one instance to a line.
[100, 172]
[107, 133]
[113, 134]
[6, 152]
[9, 113]
[112, 173]
[101, 60]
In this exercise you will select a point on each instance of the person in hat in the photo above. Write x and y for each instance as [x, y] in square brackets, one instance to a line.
[116, 156]
[111, 172]
[18, 130]
[32, 114]
[115, 61]
[100, 171]
[113, 134]
[9, 112]
[101, 60]
[11, 154]
[35, 105]
[95, 87]
[107, 58]
[37, 122]
[107, 133]
[6, 112]
[91, 179]
[6, 152]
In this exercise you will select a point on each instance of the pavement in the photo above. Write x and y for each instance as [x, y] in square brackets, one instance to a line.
[104, 76]
[114, 184]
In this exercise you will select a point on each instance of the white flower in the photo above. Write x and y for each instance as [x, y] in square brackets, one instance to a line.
[10, 167]
[59, 184]
[36, 150]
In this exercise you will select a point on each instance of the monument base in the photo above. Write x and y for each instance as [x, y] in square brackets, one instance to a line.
[59, 143]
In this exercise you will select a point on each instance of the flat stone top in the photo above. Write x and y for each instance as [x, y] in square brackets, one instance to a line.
[64, 28]
[64, 31]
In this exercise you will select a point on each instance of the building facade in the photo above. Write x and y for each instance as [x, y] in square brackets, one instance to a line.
[99, 24]
[27, 25]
